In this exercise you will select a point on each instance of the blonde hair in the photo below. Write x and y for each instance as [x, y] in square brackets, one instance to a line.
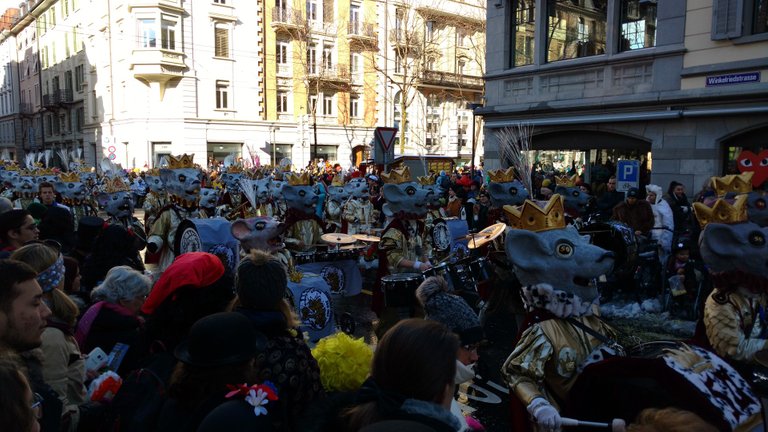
[669, 420]
[40, 256]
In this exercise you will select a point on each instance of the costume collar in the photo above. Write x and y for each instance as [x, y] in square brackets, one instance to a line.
[560, 303]
[183, 203]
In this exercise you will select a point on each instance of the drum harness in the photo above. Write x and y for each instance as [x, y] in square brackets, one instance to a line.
[609, 342]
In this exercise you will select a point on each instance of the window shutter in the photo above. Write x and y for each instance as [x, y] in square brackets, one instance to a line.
[328, 11]
[222, 42]
[727, 19]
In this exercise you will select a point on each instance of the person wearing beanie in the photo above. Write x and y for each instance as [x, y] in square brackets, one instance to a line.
[88, 228]
[5, 205]
[261, 285]
[453, 312]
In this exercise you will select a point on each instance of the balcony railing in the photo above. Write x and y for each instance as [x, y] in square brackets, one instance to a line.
[26, 108]
[449, 79]
[405, 38]
[287, 18]
[329, 73]
[362, 29]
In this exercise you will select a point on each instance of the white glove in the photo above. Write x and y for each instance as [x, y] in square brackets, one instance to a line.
[545, 414]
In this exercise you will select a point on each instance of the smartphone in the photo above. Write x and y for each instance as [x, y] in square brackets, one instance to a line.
[96, 360]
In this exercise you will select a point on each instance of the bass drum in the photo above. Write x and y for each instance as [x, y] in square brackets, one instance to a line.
[449, 235]
[664, 374]
[208, 235]
[617, 238]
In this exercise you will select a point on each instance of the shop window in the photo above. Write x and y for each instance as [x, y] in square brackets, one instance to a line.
[523, 29]
[575, 32]
[638, 24]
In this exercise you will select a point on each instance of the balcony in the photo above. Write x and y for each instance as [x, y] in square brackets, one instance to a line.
[406, 41]
[329, 75]
[287, 20]
[284, 69]
[362, 35]
[66, 96]
[453, 80]
[26, 108]
[51, 100]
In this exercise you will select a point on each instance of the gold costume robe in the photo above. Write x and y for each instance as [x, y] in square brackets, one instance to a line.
[545, 360]
[360, 215]
[307, 231]
[733, 327]
[398, 247]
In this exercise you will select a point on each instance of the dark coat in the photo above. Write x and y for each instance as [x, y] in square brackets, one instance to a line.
[681, 212]
[288, 363]
[639, 216]
[609, 200]
[111, 327]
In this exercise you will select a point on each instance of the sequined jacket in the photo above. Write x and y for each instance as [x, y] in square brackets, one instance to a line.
[736, 323]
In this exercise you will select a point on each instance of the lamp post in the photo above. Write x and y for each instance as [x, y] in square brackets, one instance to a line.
[473, 107]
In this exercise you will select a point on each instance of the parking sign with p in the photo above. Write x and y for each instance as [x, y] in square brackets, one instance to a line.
[627, 175]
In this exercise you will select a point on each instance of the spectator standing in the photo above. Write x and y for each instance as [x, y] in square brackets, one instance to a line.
[114, 316]
[20, 408]
[681, 209]
[25, 314]
[454, 205]
[113, 247]
[664, 223]
[611, 198]
[637, 214]
[261, 285]
[47, 196]
[63, 366]
[412, 381]
[16, 228]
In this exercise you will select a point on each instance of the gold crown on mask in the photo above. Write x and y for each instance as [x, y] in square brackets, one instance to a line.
[70, 177]
[738, 184]
[722, 211]
[115, 184]
[397, 176]
[565, 181]
[44, 171]
[234, 169]
[183, 161]
[302, 179]
[154, 172]
[427, 180]
[338, 180]
[502, 176]
[531, 217]
[11, 167]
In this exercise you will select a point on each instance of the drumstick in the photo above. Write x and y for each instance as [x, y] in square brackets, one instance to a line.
[617, 425]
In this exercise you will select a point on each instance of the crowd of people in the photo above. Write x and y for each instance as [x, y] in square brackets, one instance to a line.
[92, 340]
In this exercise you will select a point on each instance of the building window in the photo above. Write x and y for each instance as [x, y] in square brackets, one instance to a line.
[327, 57]
[460, 67]
[354, 63]
[146, 32]
[68, 81]
[523, 29]
[220, 1]
[168, 33]
[222, 94]
[312, 10]
[312, 105]
[354, 105]
[354, 19]
[638, 25]
[736, 18]
[281, 52]
[222, 40]
[80, 119]
[312, 59]
[461, 131]
[79, 77]
[575, 32]
[430, 31]
[327, 105]
[282, 102]
[461, 37]
[398, 63]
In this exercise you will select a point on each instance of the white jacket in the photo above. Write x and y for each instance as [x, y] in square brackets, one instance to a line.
[663, 218]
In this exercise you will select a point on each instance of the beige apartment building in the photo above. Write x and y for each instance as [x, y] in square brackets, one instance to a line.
[263, 81]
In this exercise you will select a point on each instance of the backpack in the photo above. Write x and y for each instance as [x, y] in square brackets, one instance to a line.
[138, 403]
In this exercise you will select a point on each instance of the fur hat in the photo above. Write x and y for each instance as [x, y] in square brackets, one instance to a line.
[261, 282]
[451, 310]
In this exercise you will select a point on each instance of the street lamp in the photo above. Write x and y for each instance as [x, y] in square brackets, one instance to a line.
[473, 107]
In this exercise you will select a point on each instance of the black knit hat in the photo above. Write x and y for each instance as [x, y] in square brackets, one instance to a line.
[449, 309]
[221, 339]
[262, 281]
[88, 227]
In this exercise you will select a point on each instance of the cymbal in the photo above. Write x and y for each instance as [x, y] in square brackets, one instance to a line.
[338, 238]
[367, 238]
[485, 236]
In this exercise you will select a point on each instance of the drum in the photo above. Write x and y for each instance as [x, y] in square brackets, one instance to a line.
[349, 252]
[664, 374]
[303, 257]
[617, 238]
[208, 235]
[449, 234]
[462, 277]
[481, 269]
[441, 270]
[400, 289]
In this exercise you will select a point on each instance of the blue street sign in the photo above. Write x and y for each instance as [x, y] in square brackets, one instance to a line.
[627, 175]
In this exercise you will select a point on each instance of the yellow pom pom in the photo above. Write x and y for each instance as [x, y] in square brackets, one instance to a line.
[344, 362]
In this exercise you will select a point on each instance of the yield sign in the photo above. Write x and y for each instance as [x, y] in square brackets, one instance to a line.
[386, 136]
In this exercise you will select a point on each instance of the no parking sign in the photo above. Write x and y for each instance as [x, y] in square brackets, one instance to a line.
[627, 175]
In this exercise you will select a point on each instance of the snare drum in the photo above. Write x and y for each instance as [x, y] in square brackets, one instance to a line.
[300, 258]
[400, 289]
[351, 252]
[481, 269]
[462, 277]
[441, 270]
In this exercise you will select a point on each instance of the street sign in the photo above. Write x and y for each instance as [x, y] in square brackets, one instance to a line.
[627, 175]
[385, 151]
[112, 156]
[112, 149]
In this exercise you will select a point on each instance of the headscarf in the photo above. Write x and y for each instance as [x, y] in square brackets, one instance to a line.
[51, 277]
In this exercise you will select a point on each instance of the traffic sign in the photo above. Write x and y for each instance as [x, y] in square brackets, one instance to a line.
[112, 156]
[627, 175]
[112, 149]
[385, 137]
